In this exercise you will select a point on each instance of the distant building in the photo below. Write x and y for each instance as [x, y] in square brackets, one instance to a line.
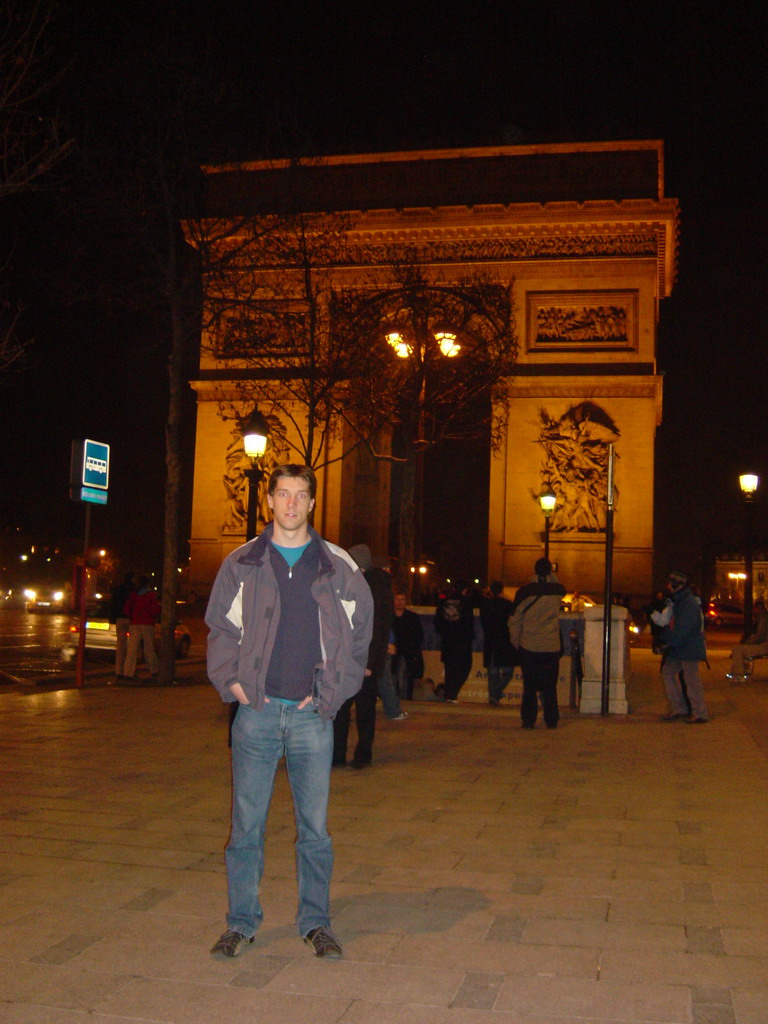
[584, 239]
[730, 577]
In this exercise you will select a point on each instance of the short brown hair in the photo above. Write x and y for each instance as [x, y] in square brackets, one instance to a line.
[297, 472]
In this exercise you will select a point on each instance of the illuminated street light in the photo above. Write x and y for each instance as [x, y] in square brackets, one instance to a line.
[447, 343]
[398, 343]
[255, 440]
[748, 482]
[547, 500]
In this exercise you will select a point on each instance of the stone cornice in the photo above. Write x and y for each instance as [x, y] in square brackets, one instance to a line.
[634, 228]
[627, 388]
[650, 387]
[630, 229]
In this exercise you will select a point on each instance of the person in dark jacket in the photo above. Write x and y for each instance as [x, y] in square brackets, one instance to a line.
[455, 625]
[499, 656]
[685, 646]
[290, 620]
[365, 699]
[534, 629]
[408, 660]
[118, 598]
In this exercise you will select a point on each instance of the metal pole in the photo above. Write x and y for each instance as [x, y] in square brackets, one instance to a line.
[608, 595]
[546, 536]
[80, 662]
[748, 569]
[255, 475]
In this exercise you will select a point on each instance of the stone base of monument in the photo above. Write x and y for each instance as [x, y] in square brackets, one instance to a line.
[594, 642]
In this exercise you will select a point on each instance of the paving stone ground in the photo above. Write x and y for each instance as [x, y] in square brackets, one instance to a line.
[614, 871]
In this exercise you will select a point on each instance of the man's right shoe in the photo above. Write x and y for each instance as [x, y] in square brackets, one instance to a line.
[231, 944]
[672, 716]
[399, 718]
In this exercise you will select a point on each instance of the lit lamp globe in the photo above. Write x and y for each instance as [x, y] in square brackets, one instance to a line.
[548, 500]
[748, 483]
[255, 435]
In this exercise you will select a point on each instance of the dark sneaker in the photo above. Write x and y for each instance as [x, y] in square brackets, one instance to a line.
[231, 944]
[672, 716]
[696, 721]
[323, 944]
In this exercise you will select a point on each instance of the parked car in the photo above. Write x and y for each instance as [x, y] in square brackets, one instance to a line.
[101, 635]
[718, 613]
[47, 598]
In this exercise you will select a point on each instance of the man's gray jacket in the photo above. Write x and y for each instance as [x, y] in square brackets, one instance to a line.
[244, 611]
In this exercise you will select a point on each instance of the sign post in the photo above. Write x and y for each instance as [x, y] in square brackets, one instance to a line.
[608, 594]
[88, 483]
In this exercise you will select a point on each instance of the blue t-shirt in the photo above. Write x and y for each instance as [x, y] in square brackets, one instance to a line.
[291, 555]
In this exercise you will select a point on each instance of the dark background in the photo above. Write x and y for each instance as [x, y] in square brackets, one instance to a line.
[321, 78]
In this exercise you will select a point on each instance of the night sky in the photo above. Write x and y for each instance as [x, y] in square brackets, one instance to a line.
[321, 78]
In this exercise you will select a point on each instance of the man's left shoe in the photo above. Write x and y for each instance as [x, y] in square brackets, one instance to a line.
[697, 721]
[323, 944]
[399, 718]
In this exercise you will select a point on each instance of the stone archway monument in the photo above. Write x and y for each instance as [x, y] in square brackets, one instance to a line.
[584, 240]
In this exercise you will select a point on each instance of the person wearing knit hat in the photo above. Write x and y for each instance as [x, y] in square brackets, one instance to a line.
[376, 672]
[534, 628]
[684, 647]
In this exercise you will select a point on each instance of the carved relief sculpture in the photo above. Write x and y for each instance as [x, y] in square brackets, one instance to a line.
[576, 465]
[235, 485]
[576, 320]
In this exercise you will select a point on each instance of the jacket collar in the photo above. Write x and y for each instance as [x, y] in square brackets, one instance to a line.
[255, 551]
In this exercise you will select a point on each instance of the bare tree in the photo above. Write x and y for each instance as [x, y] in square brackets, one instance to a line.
[30, 141]
[310, 348]
[139, 185]
[267, 316]
[433, 360]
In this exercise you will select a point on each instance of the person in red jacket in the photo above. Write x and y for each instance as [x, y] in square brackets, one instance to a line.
[143, 610]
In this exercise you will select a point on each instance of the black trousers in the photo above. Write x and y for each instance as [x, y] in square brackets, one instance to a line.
[457, 665]
[365, 719]
[540, 670]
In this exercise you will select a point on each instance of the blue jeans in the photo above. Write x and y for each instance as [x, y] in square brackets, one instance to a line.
[259, 740]
[387, 691]
[498, 677]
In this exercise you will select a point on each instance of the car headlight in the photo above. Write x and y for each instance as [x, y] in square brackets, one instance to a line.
[58, 595]
[30, 594]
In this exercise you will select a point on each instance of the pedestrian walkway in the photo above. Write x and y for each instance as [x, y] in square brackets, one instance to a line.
[613, 871]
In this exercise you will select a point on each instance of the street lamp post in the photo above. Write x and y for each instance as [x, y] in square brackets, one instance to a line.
[748, 483]
[419, 345]
[255, 440]
[547, 500]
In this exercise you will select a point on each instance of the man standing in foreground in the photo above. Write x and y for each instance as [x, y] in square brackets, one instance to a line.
[684, 647]
[290, 619]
